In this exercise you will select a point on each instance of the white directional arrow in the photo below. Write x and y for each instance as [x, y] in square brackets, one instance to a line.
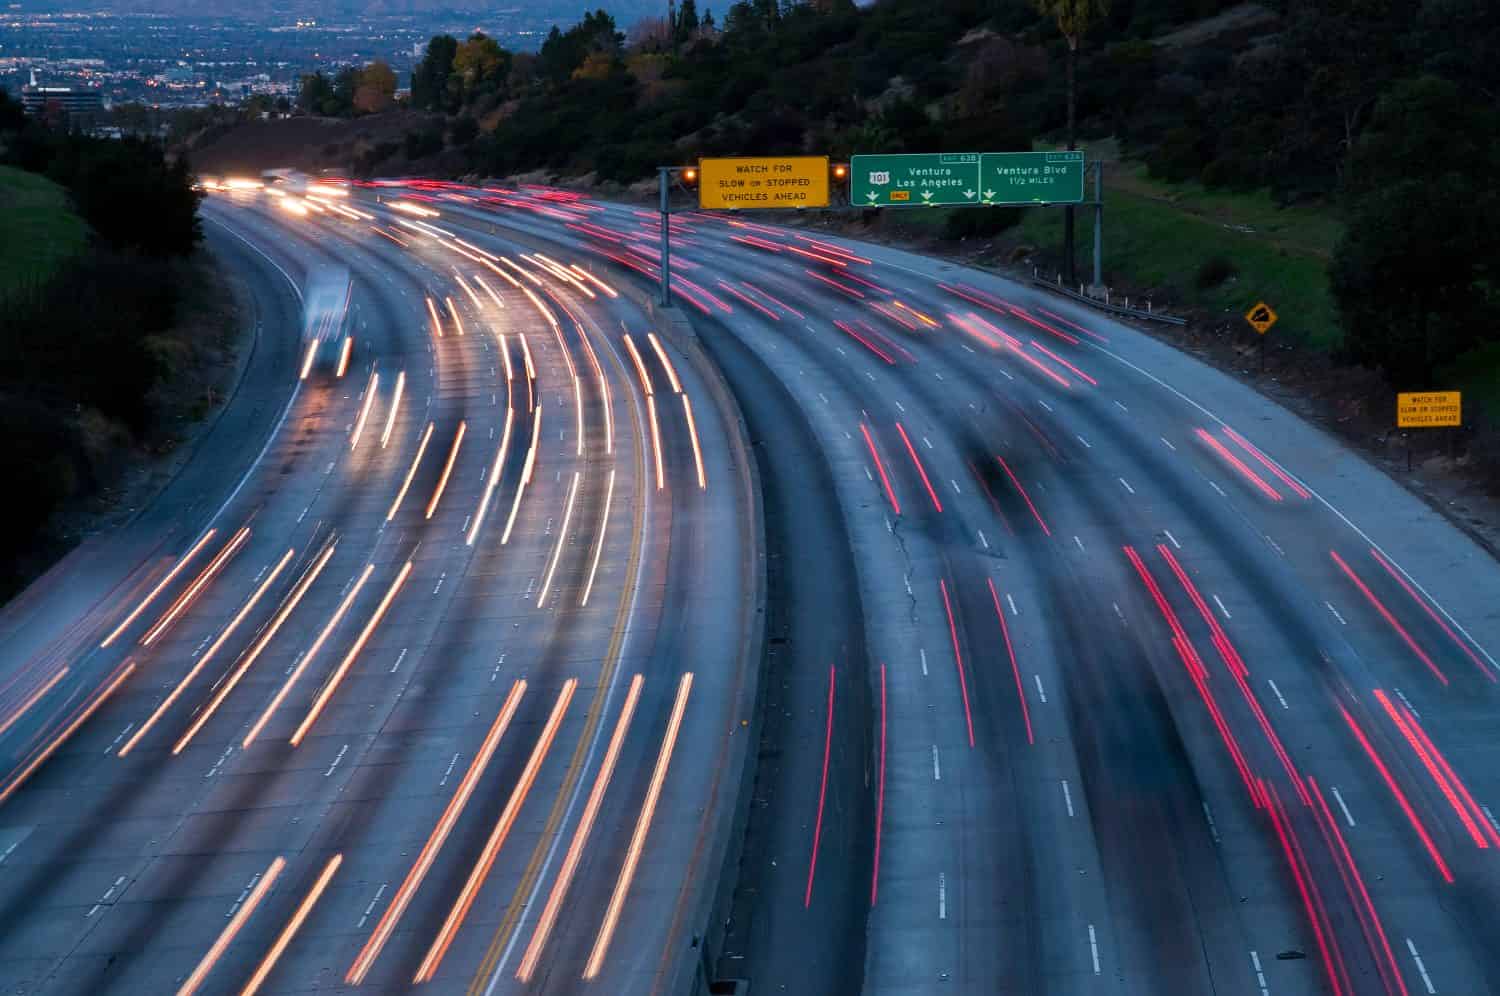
[872, 196]
[926, 195]
[969, 194]
[989, 195]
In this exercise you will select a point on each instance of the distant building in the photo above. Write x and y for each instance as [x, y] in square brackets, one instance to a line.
[75, 102]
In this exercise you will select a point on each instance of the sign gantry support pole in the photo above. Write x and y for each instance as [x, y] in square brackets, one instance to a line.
[1099, 223]
[664, 179]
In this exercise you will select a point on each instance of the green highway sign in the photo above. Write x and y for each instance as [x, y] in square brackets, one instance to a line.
[948, 178]
[904, 180]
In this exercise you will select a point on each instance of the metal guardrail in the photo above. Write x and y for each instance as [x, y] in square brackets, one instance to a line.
[1115, 309]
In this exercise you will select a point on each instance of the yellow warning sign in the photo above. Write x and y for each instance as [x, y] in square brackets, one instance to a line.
[1429, 409]
[763, 182]
[1261, 317]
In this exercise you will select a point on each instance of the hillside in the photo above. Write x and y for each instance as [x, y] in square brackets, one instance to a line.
[41, 230]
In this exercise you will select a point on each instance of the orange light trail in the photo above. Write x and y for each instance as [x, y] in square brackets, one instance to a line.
[559, 272]
[501, 273]
[437, 323]
[640, 367]
[307, 361]
[32, 699]
[270, 632]
[661, 479]
[176, 569]
[536, 433]
[457, 322]
[328, 628]
[396, 239]
[227, 935]
[661, 354]
[442, 483]
[505, 356]
[609, 419]
[490, 291]
[494, 481]
[365, 960]
[82, 717]
[642, 826]
[523, 272]
[580, 839]
[497, 837]
[526, 352]
[364, 410]
[293, 925]
[467, 289]
[687, 407]
[412, 472]
[344, 356]
[201, 581]
[609, 493]
[208, 655]
[390, 419]
[562, 540]
[337, 678]
[606, 288]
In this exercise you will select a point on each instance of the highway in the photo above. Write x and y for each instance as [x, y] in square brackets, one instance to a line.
[1087, 670]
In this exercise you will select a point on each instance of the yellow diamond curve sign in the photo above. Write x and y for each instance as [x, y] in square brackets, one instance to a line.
[763, 182]
[1428, 409]
[1261, 317]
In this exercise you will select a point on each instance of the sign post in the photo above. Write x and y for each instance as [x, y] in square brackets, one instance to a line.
[763, 182]
[1261, 318]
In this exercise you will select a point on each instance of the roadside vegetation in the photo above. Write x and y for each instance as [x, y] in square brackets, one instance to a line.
[1334, 158]
[101, 320]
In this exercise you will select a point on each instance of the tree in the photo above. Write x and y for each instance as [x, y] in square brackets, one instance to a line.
[1415, 274]
[1073, 19]
[345, 83]
[314, 93]
[429, 80]
[565, 51]
[376, 90]
[687, 22]
[479, 62]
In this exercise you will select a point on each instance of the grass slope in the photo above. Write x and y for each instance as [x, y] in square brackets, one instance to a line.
[40, 229]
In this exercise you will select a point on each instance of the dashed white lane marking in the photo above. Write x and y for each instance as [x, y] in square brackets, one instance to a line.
[937, 769]
[128, 727]
[1348, 818]
[983, 540]
[1277, 692]
[924, 660]
[871, 376]
[927, 442]
[1094, 943]
[1001, 372]
[1044, 404]
[1213, 828]
[938, 375]
[900, 406]
[1406, 702]
[869, 475]
[1121, 407]
[449, 772]
[399, 658]
[1483, 808]
[823, 396]
[371, 908]
[1260, 976]
[340, 756]
[1220, 603]
[1168, 442]
[1221, 491]
[1010, 600]
[1426, 979]
[1067, 797]
[942, 896]
[1117, 611]
[1126, 484]
[1039, 689]
[956, 488]
[1079, 542]
[967, 346]
[1085, 442]
[1335, 613]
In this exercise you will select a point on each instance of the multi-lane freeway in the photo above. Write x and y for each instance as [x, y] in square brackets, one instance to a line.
[864, 623]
